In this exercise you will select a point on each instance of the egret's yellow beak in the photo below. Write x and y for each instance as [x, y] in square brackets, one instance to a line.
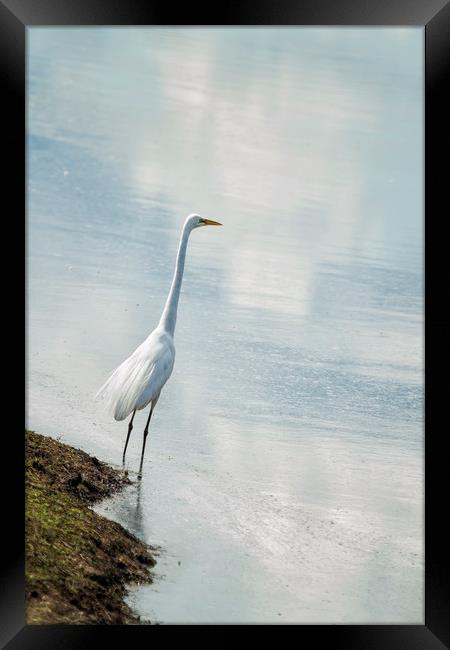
[210, 222]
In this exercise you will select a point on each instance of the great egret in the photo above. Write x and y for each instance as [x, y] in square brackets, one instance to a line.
[138, 381]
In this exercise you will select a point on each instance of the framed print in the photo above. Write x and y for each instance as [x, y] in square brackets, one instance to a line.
[234, 323]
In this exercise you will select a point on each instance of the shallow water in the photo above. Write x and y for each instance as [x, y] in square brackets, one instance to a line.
[283, 477]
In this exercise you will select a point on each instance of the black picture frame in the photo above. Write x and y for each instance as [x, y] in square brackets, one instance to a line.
[434, 16]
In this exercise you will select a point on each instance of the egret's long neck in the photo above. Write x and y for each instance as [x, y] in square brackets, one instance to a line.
[169, 316]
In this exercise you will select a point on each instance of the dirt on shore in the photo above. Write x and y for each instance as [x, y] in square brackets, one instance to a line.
[78, 564]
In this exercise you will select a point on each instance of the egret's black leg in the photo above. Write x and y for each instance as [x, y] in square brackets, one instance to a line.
[145, 439]
[130, 427]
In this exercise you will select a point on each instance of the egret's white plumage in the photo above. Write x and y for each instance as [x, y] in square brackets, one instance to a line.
[138, 381]
[140, 378]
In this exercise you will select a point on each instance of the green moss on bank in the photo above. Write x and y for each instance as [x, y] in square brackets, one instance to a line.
[78, 563]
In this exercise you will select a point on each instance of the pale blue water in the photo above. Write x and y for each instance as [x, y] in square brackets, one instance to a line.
[284, 468]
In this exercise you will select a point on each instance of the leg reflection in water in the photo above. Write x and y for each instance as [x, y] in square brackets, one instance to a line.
[137, 520]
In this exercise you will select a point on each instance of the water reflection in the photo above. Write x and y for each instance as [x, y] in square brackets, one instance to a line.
[137, 517]
[287, 446]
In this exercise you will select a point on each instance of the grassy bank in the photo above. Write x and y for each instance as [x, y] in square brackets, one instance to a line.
[78, 563]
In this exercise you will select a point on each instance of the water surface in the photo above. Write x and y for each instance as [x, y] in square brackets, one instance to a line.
[283, 478]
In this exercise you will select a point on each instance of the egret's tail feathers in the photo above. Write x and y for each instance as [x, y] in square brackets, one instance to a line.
[123, 390]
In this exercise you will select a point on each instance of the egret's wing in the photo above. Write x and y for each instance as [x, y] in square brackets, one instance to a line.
[138, 379]
[160, 373]
[125, 384]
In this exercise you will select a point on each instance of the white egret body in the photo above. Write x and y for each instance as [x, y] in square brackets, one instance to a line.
[138, 381]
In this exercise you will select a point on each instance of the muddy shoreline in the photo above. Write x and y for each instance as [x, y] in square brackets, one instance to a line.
[78, 564]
